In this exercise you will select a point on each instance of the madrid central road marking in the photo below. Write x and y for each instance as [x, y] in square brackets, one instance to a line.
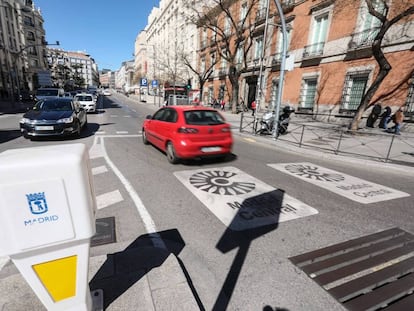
[353, 188]
[241, 201]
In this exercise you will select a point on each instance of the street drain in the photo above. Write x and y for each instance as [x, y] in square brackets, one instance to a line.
[105, 231]
[374, 272]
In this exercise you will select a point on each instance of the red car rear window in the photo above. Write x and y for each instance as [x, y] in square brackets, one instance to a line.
[203, 117]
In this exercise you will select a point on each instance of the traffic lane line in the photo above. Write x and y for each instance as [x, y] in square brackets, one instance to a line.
[108, 199]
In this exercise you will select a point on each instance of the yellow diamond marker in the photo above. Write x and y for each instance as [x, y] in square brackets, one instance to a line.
[58, 277]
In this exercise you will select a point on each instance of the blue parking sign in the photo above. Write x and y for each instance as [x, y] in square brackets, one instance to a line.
[144, 82]
[154, 83]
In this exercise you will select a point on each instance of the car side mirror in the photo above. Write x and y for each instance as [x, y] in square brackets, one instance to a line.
[148, 117]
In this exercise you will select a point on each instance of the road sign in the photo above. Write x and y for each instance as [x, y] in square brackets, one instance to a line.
[144, 82]
[154, 83]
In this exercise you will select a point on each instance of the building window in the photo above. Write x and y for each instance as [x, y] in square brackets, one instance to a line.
[227, 26]
[354, 89]
[308, 93]
[318, 36]
[243, 12]
[369, 25]
[273, 94]
[27, 20]
[278, 54]
[30, 36]
[258, 48]
[410, 98]
[239, 55]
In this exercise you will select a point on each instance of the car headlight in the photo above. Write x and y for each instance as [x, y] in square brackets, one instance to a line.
[24, 120]
[65, 120]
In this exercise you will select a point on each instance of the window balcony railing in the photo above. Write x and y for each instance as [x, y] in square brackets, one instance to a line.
[222, 72]
[363, 39]
[313, 50]
[261, 14]
[288, 5]
[276, 59]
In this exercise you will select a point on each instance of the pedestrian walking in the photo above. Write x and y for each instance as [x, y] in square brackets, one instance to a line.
[222, 104]
[253, 107]
[385, 118]
[398, 119]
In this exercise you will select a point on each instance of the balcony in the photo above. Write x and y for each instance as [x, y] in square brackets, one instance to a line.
[276, 59]
[260, 15]
[363, 39]
[222, 73]
[288, 6]
[314, 50]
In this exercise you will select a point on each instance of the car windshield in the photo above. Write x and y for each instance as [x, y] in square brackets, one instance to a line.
[47, 93]
[203, 117]
[84, 98]
[53, 106]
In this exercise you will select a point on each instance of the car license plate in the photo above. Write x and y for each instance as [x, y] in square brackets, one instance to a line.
[210, 149]
[44, 128]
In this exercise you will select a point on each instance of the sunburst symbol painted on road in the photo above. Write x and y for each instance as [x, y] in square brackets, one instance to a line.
[220, 182]
[312, 172]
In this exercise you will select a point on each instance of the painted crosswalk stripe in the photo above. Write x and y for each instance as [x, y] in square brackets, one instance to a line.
[100, 132]
[353, 188]
[99, 170]
[122, 132]
[108, 199]
[241, 201]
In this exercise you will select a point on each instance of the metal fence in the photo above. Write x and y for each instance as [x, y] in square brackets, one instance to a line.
[337, 139]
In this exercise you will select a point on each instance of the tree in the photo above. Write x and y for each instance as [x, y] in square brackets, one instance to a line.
[203, 74]
[231, 34]
[380, 9]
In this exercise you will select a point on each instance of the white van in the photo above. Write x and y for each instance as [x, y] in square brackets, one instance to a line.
[49, 92]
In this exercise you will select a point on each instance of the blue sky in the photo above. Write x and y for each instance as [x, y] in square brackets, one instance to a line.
[105, 29]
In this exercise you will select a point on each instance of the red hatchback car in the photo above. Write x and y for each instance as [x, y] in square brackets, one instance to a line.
[186, 132]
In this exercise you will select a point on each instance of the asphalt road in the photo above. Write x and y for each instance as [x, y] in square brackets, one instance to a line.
[247, 270]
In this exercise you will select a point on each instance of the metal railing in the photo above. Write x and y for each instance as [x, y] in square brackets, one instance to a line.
[337, 139]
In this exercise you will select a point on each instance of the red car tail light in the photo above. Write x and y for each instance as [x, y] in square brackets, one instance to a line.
[225, 129]
[187, 130]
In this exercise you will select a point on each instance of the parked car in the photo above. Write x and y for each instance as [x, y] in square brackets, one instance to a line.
[86, 101]
[106, 93]
[53, 117]
[185, 132]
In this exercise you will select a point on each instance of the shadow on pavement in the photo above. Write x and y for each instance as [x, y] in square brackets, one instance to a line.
[122, 270]
[7, 135]
[251, 210]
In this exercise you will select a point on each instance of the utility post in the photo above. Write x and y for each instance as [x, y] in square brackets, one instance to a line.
[259, 93]
[275, 132]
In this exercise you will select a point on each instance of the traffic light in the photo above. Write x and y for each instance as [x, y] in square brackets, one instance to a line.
[188, 86]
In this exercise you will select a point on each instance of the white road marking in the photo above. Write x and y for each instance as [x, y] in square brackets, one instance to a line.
[127, 116]
[100, 132]
[109, 198]
[3, 261]
[122, 132]
[114, 115]
[96, 150]
[145, 216]
[133, 110]
[241, 201]
[353, 188]
[99, 170]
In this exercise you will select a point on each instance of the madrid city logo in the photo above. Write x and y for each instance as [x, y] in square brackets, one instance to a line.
[37, 203]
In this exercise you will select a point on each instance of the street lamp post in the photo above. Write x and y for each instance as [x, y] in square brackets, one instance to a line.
[275, 132]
